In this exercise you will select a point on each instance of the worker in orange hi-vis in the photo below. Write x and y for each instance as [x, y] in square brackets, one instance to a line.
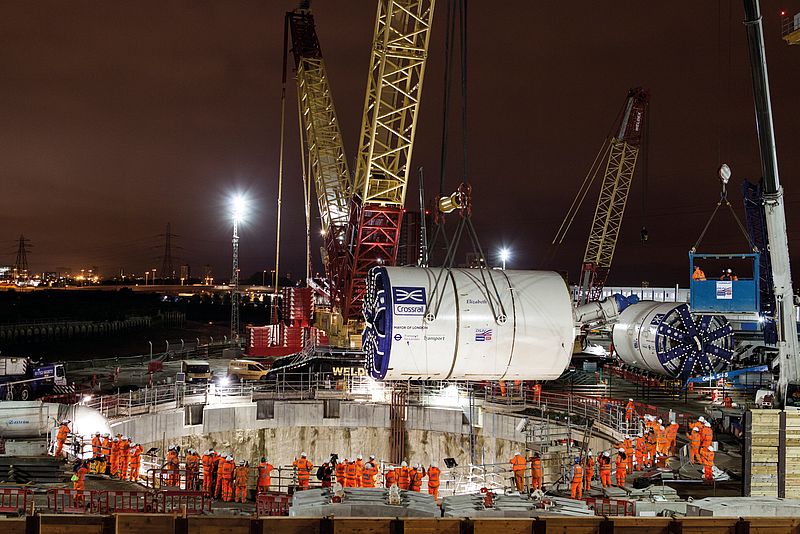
[622, 466]
[662, 441]
[589, 472]
[114, 457]
[303, 466]
[672, 437]
[61, 436]
[694, 445]
[630, 410]
[605, 470]
[242, 475]
[134, 461]
[389, 478]
[350, 474]
[502, 388]
[124, 450]
[97, 445]
[698, 274]
[576, 485]
[227, 479]
[652, 445]
[708, 463]
[192, 469]
[78, 484]
[640, 452]
[339, 470]
[434, 480]
[264, 475]
[537, 392]
[403, 476]
[706, 435]
[359, 470]
[518, 467]
[172, 466]
[416, 475]
[627, 444]
[368, 474]
[536, 472]
[205, 462]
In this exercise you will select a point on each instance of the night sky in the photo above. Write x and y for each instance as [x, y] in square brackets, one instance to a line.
[118, 117]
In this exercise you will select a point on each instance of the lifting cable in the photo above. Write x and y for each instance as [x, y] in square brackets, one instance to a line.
[723, 199]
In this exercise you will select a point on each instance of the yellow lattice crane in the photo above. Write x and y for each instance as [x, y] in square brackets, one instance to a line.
[616, 161]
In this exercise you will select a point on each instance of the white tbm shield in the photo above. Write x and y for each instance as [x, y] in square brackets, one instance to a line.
[463, 328]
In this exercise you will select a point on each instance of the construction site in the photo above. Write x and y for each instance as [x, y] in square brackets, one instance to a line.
[414, 385]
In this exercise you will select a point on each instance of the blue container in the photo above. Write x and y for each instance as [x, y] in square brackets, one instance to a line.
[724, 296]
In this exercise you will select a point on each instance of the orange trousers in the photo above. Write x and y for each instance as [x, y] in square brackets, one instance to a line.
[694, 454]
[227, 489]
[241, 491]
[588, 480]
[263, 488]
[536, 483]
[59, 446]
[434, 491]
[708, 473]
[519, 480]
[134, 472]
[303, 481]
[576, 489]
[605, 478]
[620, 478]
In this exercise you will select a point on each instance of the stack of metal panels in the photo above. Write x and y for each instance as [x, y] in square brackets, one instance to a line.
[362, 502]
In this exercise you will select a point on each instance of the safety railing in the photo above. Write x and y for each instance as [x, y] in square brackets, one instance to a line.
[69, 501]
[189, 502]
[15, 500]
[610, 507]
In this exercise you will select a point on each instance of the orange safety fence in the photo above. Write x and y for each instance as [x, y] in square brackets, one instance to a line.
[273, 504]
[69, 501]
[13, 500]
[603, 506]
[110, 502]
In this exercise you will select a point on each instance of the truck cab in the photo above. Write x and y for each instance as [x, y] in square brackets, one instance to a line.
[196, 371]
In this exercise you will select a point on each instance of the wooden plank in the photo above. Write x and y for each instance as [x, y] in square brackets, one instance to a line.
[12, 525]
[709, 525]
[357, 525]
[640, 525]
[70, 524]
[571, 525]
[291, 525]
[219, 525]
[502, 525]
[418, 525]
[139, 523]
[774, 525]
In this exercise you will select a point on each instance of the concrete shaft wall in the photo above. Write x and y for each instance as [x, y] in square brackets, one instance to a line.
[361, 428]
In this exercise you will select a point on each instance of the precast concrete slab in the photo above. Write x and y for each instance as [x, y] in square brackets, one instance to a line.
[744, 507]
[362, 502]
[512, 505]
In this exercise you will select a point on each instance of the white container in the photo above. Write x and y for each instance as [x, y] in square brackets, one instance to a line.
[667, 339]
[413, 332]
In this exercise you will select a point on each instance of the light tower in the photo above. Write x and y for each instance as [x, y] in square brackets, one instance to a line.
[505, 255]
[238, 208]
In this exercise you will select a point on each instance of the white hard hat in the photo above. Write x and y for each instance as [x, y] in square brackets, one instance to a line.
[662, 427]
[404, 464]
[659, 420]
[711, 448]
[302, 455]
[695, 429]
[106, 435]
[416, 466]
[368, 465]
[640, 435]
[434, 464]
[606, 454]
[229, 458]
[621, 449]
[701, 419]
[241, 462]
[371, 456]
[516, 453]
[630, 400]
[359, 457]
[707, 423]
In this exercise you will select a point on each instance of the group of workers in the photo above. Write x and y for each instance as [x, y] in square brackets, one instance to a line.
[701, 446]
[700, 276]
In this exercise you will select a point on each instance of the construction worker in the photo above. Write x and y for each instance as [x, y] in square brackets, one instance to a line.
[134, 461]
[97, 445]
[368, 473]
[403, 477]
[114, 456]
[341, 467]
[694, 444]
[389, 478]
[226, 475]
[652, 444]
[698, 274]
[124, 449]
[359, 470]
[708, 463]
[303, 467]
[518, 467]
[576, 486]
[350, 474]
[622, 466]
[662, 441]
[630, 410]
[192, 469]
[172, 467]
[99, 465]
[222, 459]
[205, 462]
[589, 471]
[415, 478]
[640, 452]
[536, 472]
[605, 469]
[61, 436]
[264, 478]
[242, 477]
[727, 274]
[706, 435]
[434, 479]
[78, 482]
[105, 447]
[672, 437]
[727, 401]
[537, 392]
[627, 444]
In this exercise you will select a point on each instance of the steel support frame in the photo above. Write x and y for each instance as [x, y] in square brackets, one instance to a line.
[376, 244]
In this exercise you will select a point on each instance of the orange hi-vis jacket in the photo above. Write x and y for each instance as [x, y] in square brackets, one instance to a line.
[577, 477]
[242, 476]
[434, 474]
[368, 476]
[518, 463]
[264, 470]
[340, 472]
[403, 478]
[105, 448]
[350, 473]
[303, 466]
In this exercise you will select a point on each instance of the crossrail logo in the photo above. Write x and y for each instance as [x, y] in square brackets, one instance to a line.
[483, 334]
[409, 300]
